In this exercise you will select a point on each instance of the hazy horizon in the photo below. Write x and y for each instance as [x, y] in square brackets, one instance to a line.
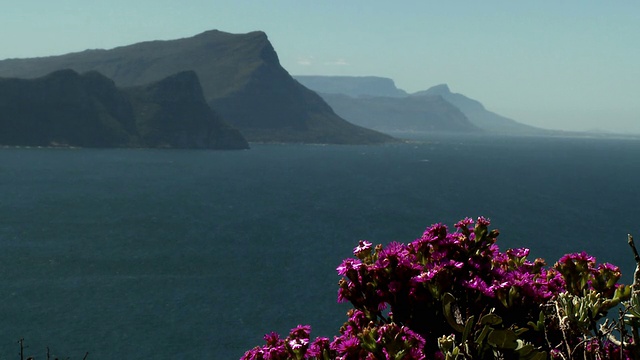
[569, 65]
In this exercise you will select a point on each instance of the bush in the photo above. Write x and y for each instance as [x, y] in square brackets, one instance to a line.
[454, 295]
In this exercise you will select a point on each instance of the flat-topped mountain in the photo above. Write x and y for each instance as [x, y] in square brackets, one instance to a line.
[353, 86]
[65, 108]
[241, 78]
[401, 114]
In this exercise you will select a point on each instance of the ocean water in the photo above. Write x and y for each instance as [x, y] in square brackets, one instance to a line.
[185, 254]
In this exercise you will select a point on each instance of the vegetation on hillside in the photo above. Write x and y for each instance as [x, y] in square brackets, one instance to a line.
[455, 295]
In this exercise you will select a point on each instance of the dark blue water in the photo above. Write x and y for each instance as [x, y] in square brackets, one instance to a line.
[177, 254]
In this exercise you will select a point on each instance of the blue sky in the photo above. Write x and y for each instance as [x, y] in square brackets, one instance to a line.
[557, 64]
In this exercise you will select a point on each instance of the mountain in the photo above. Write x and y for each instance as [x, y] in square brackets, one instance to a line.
[477, 114]
[241, 78]
[394, 114]
[376, 103]
[65, 108]
[480, 118]
[172, 112]
[353, 86]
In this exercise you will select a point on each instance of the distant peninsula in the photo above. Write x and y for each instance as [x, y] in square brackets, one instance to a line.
[65, 108]
[401, 114]
[241, 78]
[377, 103]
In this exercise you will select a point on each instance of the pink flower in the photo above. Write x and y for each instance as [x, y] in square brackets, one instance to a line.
[363, 245]
[300, 331]
[345, 345]
[518, 253]
[272, 338]
[348, 264]
[483, 221]
[464, 223]
[318, 346]
[577, 257]
[297, 344]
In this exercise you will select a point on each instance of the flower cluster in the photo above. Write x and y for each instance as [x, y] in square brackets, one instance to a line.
[450, 294]
[294, 346]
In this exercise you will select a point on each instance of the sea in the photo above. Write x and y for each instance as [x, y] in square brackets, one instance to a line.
[196, 254]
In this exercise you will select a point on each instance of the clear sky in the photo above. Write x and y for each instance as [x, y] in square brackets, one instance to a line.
[569, 64]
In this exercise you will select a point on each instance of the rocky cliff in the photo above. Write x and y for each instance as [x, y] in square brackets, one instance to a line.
[241, 79]
[65, 108]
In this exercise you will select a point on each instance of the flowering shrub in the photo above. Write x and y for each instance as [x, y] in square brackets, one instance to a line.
[454, 295]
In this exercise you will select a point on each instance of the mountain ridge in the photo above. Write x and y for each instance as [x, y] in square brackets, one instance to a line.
[354, 86]
[401, 114]
[65, 108]
[478, 114]
[480, 118]
[241, 77]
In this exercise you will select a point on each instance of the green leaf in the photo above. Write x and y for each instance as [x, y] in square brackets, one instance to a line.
[481, 233]
[503, 339]
[536, 355]
[468, 326]
[483, 334]
[400, 354]
[491, 319]
[538, 325]
[524, 350]
[520, 331]
[449, 308]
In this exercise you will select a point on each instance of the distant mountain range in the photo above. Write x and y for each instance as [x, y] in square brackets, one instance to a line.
[241, 79]
[477, 114]
[65, 108]
[377, 103]
[353, 86]
[401, 114]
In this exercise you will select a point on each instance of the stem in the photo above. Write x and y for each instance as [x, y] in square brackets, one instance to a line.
[563, 328]
[21, 342]
[635, 289]
[636, 275]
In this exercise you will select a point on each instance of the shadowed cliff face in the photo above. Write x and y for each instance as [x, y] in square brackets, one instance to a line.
[241, 79]
[173, 113]
[65, 108]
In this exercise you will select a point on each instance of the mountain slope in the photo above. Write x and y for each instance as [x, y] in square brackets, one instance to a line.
[172, 112]
[476, 112]
[392, 114]
[369, 86]
[65, 108]
[241, 79]
[377, 103]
